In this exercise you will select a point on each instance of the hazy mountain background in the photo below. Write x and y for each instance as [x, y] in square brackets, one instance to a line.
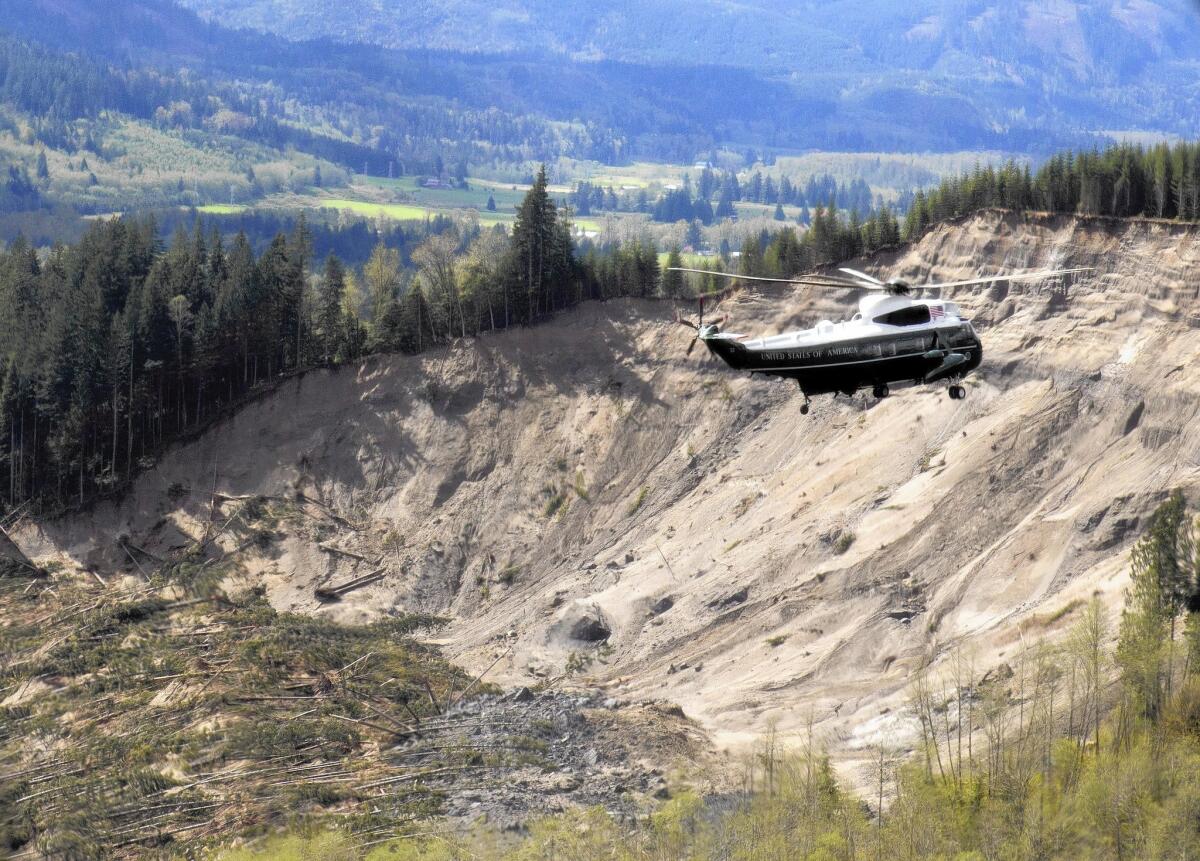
[978, 65]
[662, 79]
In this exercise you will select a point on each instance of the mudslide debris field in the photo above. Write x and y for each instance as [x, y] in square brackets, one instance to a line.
[588, 506]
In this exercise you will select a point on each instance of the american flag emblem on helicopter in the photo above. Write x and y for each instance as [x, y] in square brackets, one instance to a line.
[936, 312]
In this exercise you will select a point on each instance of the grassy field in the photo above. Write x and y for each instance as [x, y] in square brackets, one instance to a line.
[221, 209]
[765, 210]
[636, 175]
[690, 261]
[370, 209]
[508, 197]
[419, 211]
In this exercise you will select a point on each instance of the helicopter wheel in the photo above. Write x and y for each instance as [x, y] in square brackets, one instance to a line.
[880, 391]
[957, 393]
[804, 409]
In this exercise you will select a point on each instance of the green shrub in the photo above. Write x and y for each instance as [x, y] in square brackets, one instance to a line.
[508, 575]
[637, 502]
[555, 504]
[581, 487]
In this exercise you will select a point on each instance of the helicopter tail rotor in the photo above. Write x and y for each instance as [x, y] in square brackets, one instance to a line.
[683, 321]
[699, 327]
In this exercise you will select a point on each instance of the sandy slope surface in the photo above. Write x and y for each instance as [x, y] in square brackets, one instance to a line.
[579, 480]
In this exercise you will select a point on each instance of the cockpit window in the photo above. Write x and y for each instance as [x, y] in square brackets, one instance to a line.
[913, 315]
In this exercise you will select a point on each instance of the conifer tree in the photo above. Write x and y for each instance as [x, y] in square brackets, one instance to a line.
[725, 204]
[381, 274]
[1162, 586]
[672, 282]
[540, 255]
[329, 308]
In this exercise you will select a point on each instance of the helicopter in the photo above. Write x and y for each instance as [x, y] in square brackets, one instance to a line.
[894, 339]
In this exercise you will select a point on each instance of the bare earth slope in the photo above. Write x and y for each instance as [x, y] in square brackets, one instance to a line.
[550, 487]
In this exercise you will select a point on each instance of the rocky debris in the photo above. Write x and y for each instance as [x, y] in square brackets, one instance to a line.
[591, 629]
[1134, 419]
[662, 605]
[529, 754]
[731, 600]
[1113, 523]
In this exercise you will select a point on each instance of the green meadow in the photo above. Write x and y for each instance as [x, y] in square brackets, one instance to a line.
[221, 209]
[507, 196]
[419, 212]
[370, 209]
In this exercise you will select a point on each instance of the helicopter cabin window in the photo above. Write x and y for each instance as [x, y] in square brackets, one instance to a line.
[914, 315]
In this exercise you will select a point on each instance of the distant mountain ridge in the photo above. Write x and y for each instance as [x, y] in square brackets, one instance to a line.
[1065, 64]
[869, 34]
[659, 80]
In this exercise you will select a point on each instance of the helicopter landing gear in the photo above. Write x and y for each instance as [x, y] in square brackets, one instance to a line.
[957, 392]
[804, 407]
[880, 391]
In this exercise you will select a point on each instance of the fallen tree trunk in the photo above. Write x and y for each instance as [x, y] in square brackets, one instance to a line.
[332, 593]
[329, 548]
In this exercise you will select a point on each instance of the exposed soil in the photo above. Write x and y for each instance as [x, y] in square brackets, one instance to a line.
[579, 496]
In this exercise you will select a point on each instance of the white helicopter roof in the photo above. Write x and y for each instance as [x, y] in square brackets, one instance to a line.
[863, 324]
[872, 305]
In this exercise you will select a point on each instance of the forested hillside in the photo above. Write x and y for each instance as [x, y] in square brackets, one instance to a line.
[408, 107]
[1160, 182]
[115, 346]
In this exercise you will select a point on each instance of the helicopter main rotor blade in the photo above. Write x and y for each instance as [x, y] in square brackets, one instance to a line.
[863, 276]
[1031, 276]
[691, 346]
[816, 280]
